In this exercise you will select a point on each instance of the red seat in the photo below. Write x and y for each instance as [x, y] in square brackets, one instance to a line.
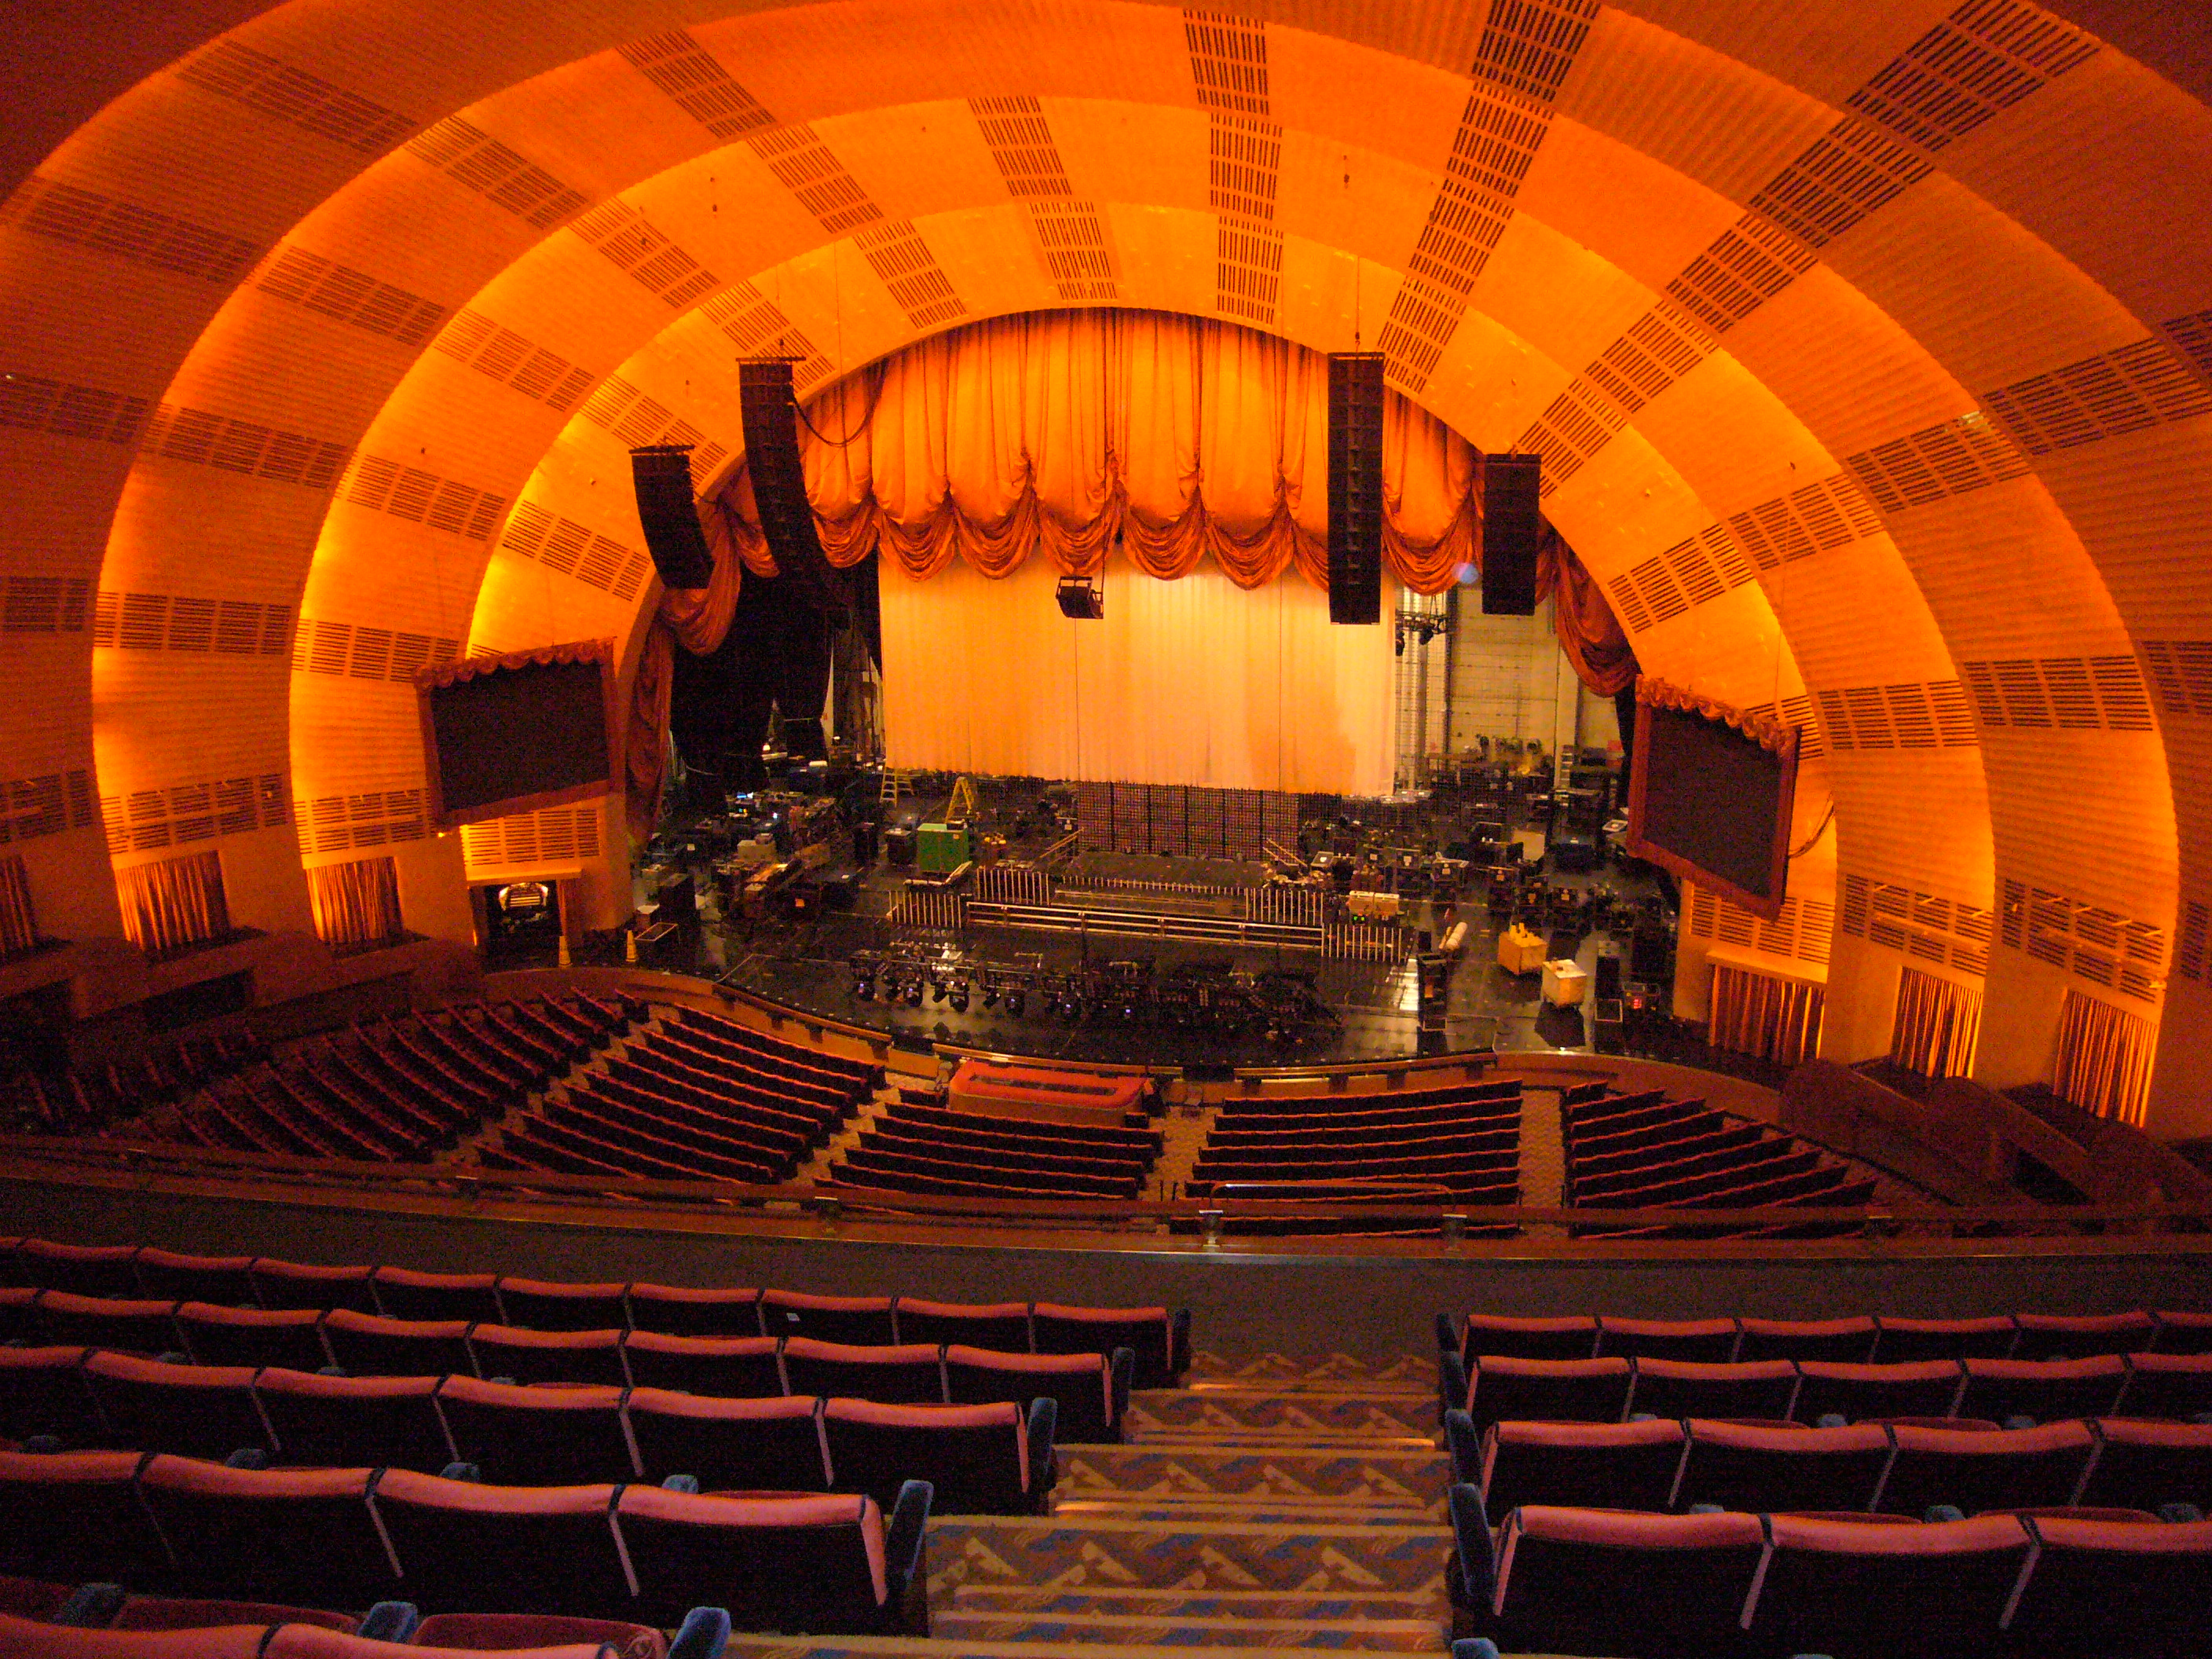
[1850, 1340]
[305, 1285]
[527, 1356]
[2184, 1332]
[1626, 1466]
[1707, 1341]
[32, 1598]
[225, 1280]
[21, 1638]
[726, 1365]
[1857, 1394]
[542, 1304]
[126, 1325]
[308, 1642]
[42, 1391]
[908, 1373]
[1158, 1340]
[730, 1445]
[217, 1335]
[537, 1437]
[1901, 1339]
[504, 1632]
[2105, 1587]
[977, 1459]
[2008, 1468]
[90, 1524]
[370, 1345]
[1004, 1326]
[1600, 1580]
[2074, 1336]
[2168, 1385]
[1688, 1388]
[1572, 1336]
[1837, 1587]
[1758, 1469]
[200, 1411]
[406, 1293]
[820, 1564]
[2142, 1465]
[238, 1532]
[681, 1310]
[1500, 1389]
[1090, 1391]
[861, 1320]
[2045, 1389]
[182, 1613]
[468, 1548]
[103, 1270]
[374, 1422]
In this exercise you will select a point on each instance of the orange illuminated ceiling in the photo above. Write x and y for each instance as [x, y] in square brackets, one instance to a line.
[1868, 345]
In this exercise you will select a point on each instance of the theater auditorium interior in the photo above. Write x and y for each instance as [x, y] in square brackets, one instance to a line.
[998, 829]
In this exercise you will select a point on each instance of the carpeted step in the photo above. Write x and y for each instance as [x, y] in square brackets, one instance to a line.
[1383, 1480]
[1325, 1373]
[1315, 1418]
[1110, 1553]
[1233, 1631]
[1326, 1605]
[909, 1647]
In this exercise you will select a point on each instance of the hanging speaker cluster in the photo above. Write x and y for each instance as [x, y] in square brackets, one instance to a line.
[769, 413]
[661, 475]
[1512, 529]
[1355, 487]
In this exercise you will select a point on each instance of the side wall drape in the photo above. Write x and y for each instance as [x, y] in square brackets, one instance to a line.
[2104, 1058]
[19, 925]
[1765, 1015]
[175, 902]
[1938, 1023]
[356, 903]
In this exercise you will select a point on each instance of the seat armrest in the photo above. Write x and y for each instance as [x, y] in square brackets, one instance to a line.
[704, 1635]
[1466, 1446]
[91, 1606]
[903, 1540]
[682, 1483]
[1451, 1383]
[1123, 1366]
[1043, 1470]
[1477, 1557]
[1179, 1345]
[1447, 1333]
[1475, 1647]
[390, 1621]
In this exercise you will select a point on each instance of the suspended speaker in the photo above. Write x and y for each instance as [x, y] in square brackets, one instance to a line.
[1355, 487]
[661, 474]
[1512, 527]
[770, 415]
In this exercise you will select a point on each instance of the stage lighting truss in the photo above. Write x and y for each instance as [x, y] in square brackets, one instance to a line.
[1422, 625]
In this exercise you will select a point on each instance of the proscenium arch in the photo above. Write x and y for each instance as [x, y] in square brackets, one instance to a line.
[1833, 366]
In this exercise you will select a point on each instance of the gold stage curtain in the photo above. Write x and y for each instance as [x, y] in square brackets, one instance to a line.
[1765, 1014]
[2104, 1058]
[356, 903]
[19, 926]
[1938, 1023]
[175, 902]
[1588, 632]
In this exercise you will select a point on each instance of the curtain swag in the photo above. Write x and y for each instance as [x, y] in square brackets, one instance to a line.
[1768, 734]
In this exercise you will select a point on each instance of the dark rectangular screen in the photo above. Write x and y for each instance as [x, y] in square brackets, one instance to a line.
[516, 735]
[1711, 803]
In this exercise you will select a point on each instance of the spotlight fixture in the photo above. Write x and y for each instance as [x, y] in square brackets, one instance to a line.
[1082, 599]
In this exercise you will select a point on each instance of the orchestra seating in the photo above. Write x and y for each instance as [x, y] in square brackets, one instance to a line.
[921, 1145]
[85, 1103]
[700, 1098]
[1643, 1151]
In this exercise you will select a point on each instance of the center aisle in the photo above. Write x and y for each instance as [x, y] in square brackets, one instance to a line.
[1274, 1502]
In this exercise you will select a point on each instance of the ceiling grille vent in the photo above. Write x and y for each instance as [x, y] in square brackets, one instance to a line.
[1985, 57]
[1926, 925]
[1227, 62]
[475, 159]
[376, 817]
[569, 548]
[34, 403]
[2181, 672]
[1843, 176]
[46, 805]
[896, 253]
[677, 64]
[1070, 241]
[1021, 144]
[1961, 455]
[1244, 160]
[756, 327]
[628, 241]
[44, 605]
[622, 408]
[803, 165]
[1529, 46]
[343, 650]
[346, 296]
[181, 814]
[557, 834]
[1748, 264]
[1801, 932]
[421, 497]
[2189, 951]
[2088, 941]
[1798, 712]
[2068, 693]
[2124, 389]
[160, 622]
[292, 95]
[202, 439]
[159, 241]
[1919, 715]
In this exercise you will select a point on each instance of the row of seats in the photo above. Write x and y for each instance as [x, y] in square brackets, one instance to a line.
[1493, 1388]
[1467, 1141]
[994, 1458]
[928, 1147]
[1899, 1468]
[1859, 1339]
[81, 1102]
[91, 1397]
[1304, 1113]
[821, 1564]
[101, 1621]
[1570, 1580]
[739, 1043]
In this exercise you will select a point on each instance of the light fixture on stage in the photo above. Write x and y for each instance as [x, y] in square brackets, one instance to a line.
[1082, 599]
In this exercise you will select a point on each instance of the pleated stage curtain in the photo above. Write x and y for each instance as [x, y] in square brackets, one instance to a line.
[175, 902]
[2104, 1058]
[1937, 1024]
[19, 925]
[1765, 1014]
[357, 903]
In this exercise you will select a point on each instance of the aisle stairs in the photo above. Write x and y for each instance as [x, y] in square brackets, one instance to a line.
[1275, 1501]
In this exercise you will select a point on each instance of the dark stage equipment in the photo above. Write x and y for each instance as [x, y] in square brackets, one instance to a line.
[769, 411]
[1512, 527]
[511, 734]
[1713, 806]
[1355, 487]
[1082, 599]
[661, 474]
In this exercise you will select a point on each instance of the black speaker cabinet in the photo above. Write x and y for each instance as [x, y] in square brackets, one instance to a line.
[1355, 487]
[661, 474]
[770, 412]
[1512, 528]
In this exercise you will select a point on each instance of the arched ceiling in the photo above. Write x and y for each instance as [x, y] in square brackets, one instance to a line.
[1866, 345]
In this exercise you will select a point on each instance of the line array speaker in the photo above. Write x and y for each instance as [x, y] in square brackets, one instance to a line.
[1355, 487]
[661, 474]
[769, 413]
[1512, 529]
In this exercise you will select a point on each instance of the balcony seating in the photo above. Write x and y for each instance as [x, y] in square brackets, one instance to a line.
[545, 1437]
[337, 1421]
[731, 1366]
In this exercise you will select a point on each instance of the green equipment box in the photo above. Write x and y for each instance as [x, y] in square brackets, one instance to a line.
[941, 848]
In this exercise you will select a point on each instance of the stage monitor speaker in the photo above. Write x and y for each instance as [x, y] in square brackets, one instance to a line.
[769, 413]
[1355, 487]
[1512, 528]
[661, 474]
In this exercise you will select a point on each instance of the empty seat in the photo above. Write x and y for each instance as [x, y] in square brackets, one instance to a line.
[909, 1373]
[730, 1445]
[1832, 1586]
[1571, 1336]
[91, 1524]
[225, 1280]
[369, 1345]
[680, 1311]
[1757, 1469]
[127, 1326]
[1686, 1388]
[405, 1293]
[1603, 1581]
[468, 1548]
[825, 1565]
[2101, 1589]
[542, 1304]
[1158, 1340]
[1707, 1341]
[1547, 1390]
[339, 1421]
[2044, 1389]
[42, 1391]
[860, 1321]
[200, 1411]
[2184, 1332]
[305, 1285]
[524, 1356]
[217, 1335]
[1979, 1470]
[301, 1536]
[979, 1460]
[1622, 1466]
[2073, 1336]
[2141, 1464]
[499, 1632]
[537, 1437]
[146, 1613]
[1828, 1388]
[104, 1270]
[1849, 1340]
[727, 1365]
[19, 1314]
[2171, 1385]
[1004, 1326]
[1899, 1340]
[32, 1598]
[1090, 1391]
[24, 1638]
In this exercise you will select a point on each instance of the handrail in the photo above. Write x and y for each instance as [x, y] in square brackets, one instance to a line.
[39, 1158]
